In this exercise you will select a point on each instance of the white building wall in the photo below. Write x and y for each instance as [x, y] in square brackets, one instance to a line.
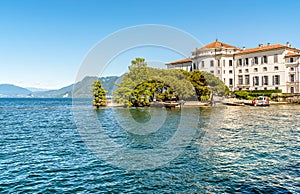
[270, 69]
[277, 65]
[212, 61]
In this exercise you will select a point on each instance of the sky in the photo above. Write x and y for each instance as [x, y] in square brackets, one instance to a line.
[43, 43]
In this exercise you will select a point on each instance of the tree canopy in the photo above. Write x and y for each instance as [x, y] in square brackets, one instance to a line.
[99, 94]
[143, 84]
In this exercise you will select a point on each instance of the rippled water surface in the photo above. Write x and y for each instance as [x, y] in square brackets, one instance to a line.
[233, 149]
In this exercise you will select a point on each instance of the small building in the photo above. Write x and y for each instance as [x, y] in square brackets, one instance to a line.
[185, 64]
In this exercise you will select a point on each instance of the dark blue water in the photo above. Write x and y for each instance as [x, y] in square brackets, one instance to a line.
[252, 150]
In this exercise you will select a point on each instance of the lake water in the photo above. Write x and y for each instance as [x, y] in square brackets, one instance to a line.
[225, 149]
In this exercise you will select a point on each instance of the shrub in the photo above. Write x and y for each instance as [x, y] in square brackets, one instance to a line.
[242, 94]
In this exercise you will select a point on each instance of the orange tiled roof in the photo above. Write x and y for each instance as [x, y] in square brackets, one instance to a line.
[290, 54]
[218, 44]
[180, 61]
[265, 48]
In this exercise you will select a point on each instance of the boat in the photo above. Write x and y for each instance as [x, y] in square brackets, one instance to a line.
[261, 101]
[234, 103]
[171, 104]
[157, 104]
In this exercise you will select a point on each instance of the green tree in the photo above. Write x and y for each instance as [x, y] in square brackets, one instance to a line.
[142, 84]
[199, 82]
[128, 93]
[215, 84]
[99, 94]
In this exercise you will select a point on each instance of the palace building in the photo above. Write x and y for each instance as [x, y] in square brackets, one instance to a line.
[266, 67]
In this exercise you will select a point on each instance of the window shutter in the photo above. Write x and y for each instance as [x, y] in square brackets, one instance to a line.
[278, 79]
[273, 77]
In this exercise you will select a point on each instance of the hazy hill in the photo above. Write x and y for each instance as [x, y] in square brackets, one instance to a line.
[63, 92]
[9, 90]
[81, 89]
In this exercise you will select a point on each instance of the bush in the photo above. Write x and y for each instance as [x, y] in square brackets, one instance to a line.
[204, 98]
[256, 93]
[242, 94]
[253, 94]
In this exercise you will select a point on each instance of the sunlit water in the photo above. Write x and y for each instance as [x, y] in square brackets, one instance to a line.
[252, 150]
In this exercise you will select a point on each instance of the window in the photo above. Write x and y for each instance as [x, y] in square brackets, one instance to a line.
[276, 88]
[276, 68]
[247, 79]
[292, 90]
[219, 72]
[292, 78]
[275, 58]
[256, 60]
[255, 81]
[246, 70]
[276, 80]
[194, 66]
[240, 80]
[212, 72]
[202, 64]
[265, 69]
[265, 80]
[224, 80]
[230, 81]
[211, 63]
[292, 69]
[255, 69]
[240, 71]
[230, 63]
[291, 60]
[265, 59]
[224, 71]
[219, 63]
[247, 61]
[230, 71]
[240, 62]
[224, 63]
[265, 88]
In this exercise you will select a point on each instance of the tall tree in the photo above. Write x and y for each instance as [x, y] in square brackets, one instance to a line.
[99, 94]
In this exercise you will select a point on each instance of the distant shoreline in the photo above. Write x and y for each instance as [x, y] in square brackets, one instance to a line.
[186, 103]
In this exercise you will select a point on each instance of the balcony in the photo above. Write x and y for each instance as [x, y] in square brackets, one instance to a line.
[292, 63]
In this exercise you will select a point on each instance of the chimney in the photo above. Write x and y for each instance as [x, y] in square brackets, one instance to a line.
[288, 44]
[269, 44]
[260, 45]
[244, 48]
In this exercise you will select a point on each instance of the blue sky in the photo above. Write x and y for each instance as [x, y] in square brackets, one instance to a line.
[44, 42]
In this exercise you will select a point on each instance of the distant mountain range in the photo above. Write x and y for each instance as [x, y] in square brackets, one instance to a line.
[80, 90]
[9, 90]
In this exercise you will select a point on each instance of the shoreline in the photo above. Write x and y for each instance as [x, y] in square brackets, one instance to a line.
[207, 103]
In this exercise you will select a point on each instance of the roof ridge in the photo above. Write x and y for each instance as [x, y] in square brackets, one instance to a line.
[218, 44]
